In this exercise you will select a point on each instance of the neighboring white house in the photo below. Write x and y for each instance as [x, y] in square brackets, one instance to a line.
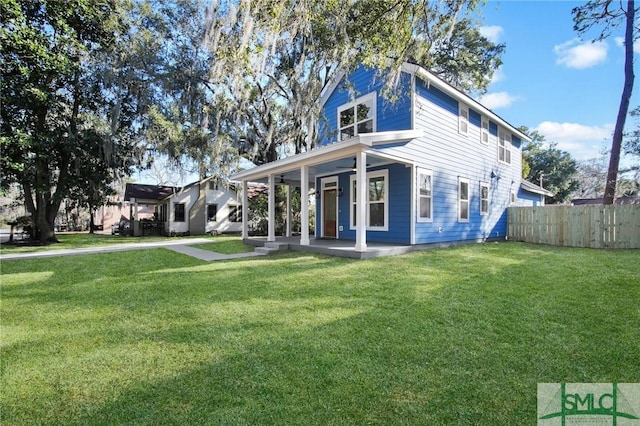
[202, 207]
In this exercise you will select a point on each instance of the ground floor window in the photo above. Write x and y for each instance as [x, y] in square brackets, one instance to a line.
[178, 212]
[425, 195]
[212, 212]
[484, 198]
[377, 200]
[235, 213]
[463, 200]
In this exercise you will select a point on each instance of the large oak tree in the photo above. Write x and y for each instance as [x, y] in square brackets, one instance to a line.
[58, 111]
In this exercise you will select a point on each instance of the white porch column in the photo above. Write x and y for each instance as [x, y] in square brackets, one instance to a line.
[361, 202]
[272, 209]
[245, 210]
[304, 206]
[288, 228]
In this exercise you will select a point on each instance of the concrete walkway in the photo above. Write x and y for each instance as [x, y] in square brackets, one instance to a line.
[179, 246]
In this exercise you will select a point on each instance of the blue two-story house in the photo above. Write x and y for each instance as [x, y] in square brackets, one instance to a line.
[434, 166]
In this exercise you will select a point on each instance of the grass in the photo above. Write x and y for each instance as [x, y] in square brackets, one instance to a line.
[449, 336]
[226, 245]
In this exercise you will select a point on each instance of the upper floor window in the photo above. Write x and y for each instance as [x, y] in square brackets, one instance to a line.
[357, 117]
[484, 131]
[504, 147]
[463, 120]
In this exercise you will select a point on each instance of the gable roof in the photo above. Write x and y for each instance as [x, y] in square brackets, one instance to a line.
[148, 192]
[439, 83]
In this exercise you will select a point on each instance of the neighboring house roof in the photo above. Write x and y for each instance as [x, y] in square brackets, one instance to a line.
[532, 187]
[148, 192]
[592, 201]
[159, 192]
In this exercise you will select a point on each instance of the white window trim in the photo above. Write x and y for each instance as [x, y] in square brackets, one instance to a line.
[352, 104]
[505, 142]
[378, 173]
[485, 134]
[421, 171]
[484, 185]
[463, 119]
[467, 201]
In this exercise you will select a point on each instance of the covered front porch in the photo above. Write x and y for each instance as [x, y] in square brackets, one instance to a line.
[303, 170]
[332, 247]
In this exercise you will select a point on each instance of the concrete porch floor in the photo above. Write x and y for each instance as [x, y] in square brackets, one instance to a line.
[340, 248]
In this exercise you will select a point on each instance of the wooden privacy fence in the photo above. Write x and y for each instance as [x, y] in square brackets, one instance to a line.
[596, 226]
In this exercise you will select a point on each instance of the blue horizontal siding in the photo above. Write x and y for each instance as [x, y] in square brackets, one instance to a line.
[442, 150]
[450, 155]
[399, 228]
[390, 115]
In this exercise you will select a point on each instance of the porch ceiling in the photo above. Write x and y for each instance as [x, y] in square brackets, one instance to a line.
[338, 157]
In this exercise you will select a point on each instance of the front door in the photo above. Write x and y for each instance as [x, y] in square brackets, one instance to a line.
[329, 213]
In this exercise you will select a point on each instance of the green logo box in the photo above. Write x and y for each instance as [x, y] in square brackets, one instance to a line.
[576, 404]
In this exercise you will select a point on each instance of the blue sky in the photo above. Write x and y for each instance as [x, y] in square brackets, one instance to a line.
[553, 81]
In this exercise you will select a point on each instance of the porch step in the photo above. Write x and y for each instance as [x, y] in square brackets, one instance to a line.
[270, 247]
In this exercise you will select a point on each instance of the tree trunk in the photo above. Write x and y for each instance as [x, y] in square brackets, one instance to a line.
[43, 213]
[616, 143]
[91, 220]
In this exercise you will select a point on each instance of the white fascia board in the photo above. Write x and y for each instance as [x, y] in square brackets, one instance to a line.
[382, 138]
[392, 158]
[327, 153]
[436, 81]
[315, 156]
[331, 87]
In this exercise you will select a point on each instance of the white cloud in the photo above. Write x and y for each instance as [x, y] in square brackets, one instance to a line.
[492, 32]
[498, 75]
[498, 100]
[574, 54]
[581, 141]
[620, 43]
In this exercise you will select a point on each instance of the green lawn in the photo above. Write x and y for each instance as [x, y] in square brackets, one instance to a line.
[448, 336]
[226, 245]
